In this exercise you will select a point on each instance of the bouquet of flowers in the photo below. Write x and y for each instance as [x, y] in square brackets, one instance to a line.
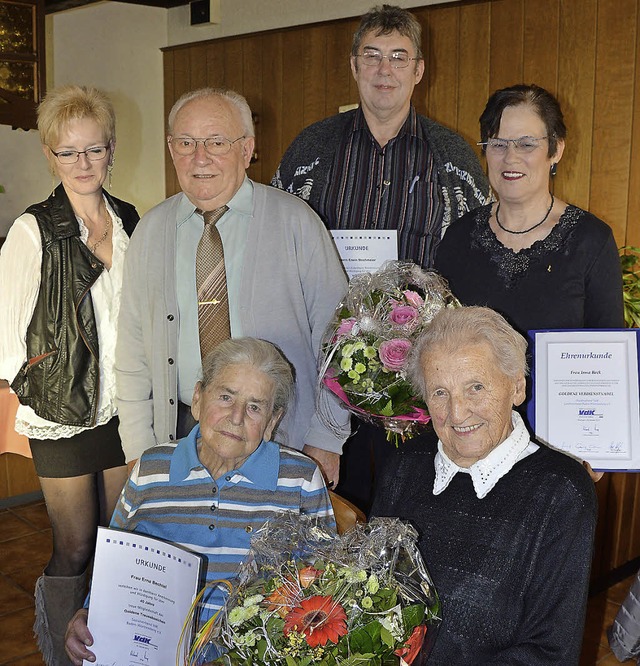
[367, 344]
[310, 597]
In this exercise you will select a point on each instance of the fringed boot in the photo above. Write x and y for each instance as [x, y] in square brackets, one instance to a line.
[57, 600]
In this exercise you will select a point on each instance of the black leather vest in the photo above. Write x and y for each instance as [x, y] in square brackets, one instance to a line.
[60, 380]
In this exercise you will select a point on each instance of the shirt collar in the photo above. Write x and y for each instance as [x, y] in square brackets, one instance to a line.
[260, 468]
[241, 202]
[409, 127]
[485, 473]
[185, 457]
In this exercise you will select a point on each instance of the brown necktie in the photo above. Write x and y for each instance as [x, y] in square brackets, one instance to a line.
[211, 283]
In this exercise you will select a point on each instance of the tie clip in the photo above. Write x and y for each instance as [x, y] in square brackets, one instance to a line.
[213, 302]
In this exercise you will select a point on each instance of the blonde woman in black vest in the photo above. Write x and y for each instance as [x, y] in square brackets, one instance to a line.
[60, 283]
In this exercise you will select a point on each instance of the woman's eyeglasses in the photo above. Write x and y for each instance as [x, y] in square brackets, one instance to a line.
[524, 144]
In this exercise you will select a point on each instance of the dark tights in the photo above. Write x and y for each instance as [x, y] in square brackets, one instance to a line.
[76, 506]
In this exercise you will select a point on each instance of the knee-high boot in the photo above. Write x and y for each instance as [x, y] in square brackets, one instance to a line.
[57, 599]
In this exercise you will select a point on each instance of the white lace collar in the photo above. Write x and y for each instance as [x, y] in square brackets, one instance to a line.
[487, 472]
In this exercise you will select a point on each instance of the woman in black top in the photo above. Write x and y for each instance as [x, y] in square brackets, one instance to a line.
[537, 260]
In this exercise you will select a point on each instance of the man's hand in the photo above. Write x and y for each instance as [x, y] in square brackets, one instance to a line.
[78, 637]
[329, 463]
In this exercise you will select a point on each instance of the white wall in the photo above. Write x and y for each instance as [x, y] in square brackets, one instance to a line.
[246, 16]
[116, 47]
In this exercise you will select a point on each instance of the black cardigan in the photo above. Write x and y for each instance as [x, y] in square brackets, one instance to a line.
[512, 569]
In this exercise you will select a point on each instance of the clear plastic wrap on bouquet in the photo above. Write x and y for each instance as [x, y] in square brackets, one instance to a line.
[367, 344]
[307, 596]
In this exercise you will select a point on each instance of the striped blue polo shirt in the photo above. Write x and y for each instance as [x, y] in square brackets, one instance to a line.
[171, 495]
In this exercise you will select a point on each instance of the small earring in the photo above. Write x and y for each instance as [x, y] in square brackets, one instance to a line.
[110, 171]
[554, 169]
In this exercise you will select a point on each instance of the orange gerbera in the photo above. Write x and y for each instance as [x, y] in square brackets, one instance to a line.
[319, 619]
[284, 598]
[410, 650]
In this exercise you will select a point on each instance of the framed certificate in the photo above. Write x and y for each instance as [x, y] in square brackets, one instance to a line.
[586, 397]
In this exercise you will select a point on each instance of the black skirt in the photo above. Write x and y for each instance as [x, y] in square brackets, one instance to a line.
[87, 452]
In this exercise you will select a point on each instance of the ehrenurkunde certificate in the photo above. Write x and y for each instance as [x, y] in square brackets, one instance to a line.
[586, 396]
[141, 593]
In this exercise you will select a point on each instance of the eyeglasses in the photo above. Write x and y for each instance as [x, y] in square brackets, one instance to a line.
[524, 144]
[215, 145]
[397, 59]
[94, 154]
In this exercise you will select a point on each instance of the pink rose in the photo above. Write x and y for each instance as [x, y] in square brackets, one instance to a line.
[414, 298]
[345, 327]
[404, 315]
[394, 353]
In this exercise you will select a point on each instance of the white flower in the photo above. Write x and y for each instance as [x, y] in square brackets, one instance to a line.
[392, 621]
[249, 639]
[237, 616]
[373, 584]
[252, 601]
[367, 324]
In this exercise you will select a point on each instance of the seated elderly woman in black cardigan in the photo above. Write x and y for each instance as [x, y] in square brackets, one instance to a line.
[506, 524]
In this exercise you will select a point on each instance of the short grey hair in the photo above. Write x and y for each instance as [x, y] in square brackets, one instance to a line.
[385, 19]
[260, 354]
[453, 328]
[231, 96]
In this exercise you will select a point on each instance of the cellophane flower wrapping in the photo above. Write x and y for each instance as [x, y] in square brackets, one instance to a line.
[366, 346]
[307, 596]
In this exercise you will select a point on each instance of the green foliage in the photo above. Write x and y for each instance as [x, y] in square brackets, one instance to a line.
[1, 189]
[629, 258]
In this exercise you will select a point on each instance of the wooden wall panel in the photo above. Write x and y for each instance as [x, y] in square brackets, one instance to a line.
[507, 32]
[21, 475]
[274, 104]
[293, 47]
[338, 48]
[442, 68]
[314, 74]
[633, 214]
[351, 27]
[252, 54]
[198, 74]
[421, 93]
[615, 68]
[576, 77]
[215, 64]
[540, 54]
[473, 82]
[587, 52]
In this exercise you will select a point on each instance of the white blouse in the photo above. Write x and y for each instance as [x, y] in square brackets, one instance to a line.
[20, 268]
[485, 473]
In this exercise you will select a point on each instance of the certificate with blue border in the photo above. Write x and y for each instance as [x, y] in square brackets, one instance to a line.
[586, 395]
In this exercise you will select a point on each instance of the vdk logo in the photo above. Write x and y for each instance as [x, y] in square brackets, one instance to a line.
[586, 412]
[141, 639]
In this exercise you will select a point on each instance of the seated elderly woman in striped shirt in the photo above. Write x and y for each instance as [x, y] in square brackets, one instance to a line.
[213, 489]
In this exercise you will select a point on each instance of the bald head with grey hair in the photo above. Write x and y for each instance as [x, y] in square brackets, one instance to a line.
[231, 96]
[453, 328]
[260, 354]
